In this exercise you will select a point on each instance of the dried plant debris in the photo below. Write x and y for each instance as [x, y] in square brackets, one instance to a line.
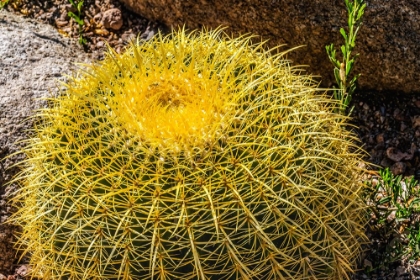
[94, 23]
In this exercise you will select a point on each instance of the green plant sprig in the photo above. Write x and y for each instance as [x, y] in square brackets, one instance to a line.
[78, 18]
[3, 3]
[343, 69]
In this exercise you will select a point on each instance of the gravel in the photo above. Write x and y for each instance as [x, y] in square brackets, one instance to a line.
[105, 22]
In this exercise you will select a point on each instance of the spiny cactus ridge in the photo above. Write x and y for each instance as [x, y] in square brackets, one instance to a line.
[191, 156]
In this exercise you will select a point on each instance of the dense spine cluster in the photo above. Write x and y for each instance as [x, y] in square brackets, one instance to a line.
[192, 156]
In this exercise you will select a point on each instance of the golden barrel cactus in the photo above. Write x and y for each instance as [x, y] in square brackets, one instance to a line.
[191, 156]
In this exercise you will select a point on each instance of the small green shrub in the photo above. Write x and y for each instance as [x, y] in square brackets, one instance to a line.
[78, 18]
[395, 213]
[342, 70]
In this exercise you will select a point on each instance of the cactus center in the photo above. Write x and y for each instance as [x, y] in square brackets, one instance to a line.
[169, 96]
[175, 109]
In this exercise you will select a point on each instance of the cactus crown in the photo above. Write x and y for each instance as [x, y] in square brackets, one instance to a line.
[181, 91]
[192, 156]
[184, 98]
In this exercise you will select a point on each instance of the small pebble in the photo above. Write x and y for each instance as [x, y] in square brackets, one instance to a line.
[398, 168]
[380, 138]
[112, 18]
[391, 216]
[382, 110]
[382, 119]
[100, 44]
[403, 126]
[385, 162]
[401, 271]
[367, 263]
[60, 23]
[22, 270]
[398, 115]
[416, 121]
[97, 18]
[102, 32]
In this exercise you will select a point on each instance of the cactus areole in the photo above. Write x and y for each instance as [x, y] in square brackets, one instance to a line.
[191, 156]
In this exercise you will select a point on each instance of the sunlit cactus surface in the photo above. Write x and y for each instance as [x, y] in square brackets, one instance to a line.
[191, 156]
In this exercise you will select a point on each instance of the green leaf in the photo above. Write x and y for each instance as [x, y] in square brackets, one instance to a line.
[349, 6]
[343, 33]
[347, 100]
[79, 6]
[349, 66]
[337, 75]
[344, 50]
[337, 94]
[398, 180]
[76, 18]
[331, 55]
[3, 3]
[353, 81]
[384, 200]
[82, 40]
[360, 12]
[330, 50]
[350, 20]
[352, 88]
[347, 3]
[351, 110]
[414, 202]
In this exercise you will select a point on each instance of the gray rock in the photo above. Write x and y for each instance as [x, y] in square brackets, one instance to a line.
[388, 41]
[33, 58]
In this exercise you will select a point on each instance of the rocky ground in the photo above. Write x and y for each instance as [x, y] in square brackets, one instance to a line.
[105, 22]
[388, 123]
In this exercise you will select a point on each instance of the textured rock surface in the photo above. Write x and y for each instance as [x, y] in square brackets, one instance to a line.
[389, 41]
[112, 19]
[33, 57]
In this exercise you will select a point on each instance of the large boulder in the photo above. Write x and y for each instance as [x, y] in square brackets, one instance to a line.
[33, 59]
[389, 41]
